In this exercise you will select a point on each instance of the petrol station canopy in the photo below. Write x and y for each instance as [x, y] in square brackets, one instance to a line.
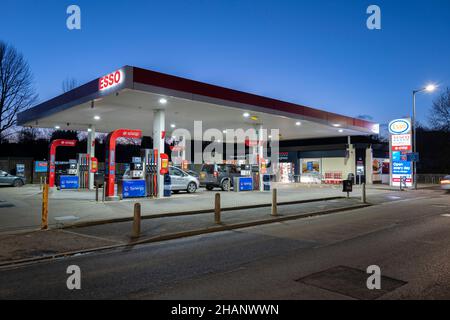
[128, 97]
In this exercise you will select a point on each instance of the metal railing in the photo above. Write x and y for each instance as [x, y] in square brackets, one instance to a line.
[430, 178]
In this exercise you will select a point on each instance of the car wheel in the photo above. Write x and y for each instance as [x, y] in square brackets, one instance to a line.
[18, 183]
[225, 185]
[209, 188]
[192, 187]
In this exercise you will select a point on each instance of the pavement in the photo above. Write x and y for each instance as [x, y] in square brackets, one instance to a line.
[405, 234]
[20, 209]
[38, 245]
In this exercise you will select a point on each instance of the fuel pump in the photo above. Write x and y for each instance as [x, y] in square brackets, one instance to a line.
[83, 170]
[69, 179]
[150, 171]
[136, 170]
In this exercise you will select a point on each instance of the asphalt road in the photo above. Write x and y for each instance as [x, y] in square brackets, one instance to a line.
[409, 239]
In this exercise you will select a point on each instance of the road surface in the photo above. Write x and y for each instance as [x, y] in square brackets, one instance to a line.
[316, 258]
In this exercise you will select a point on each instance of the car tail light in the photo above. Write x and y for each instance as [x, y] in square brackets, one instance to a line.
[216, 174]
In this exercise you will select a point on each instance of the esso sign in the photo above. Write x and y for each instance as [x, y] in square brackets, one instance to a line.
[400, 126]
[110, 80]
[68, 143]
[132, 134]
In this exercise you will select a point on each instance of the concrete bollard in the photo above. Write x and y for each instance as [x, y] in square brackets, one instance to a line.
[363, 195]
[137, 221]
[103, 193]
[274, 202]
[96, 192]
[217, 209]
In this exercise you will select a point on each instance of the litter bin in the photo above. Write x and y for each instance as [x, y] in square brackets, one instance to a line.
[167, 185]
[266, 182]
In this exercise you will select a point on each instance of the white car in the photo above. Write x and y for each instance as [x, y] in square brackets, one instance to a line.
[445, 183]
[180, 180]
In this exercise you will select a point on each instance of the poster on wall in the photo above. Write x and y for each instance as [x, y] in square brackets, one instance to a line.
[310, 166]
[400, 146]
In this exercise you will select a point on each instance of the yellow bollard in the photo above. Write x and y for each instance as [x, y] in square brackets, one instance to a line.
[44, 224]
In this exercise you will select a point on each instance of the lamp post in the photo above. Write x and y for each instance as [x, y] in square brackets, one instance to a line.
[429, 88]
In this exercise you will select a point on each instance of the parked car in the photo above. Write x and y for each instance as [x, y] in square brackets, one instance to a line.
[180, 180]
[193, 173]
[445, 183]
[7, 179]
[218, 176]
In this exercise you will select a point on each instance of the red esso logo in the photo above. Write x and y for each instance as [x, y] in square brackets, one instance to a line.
[110, 80]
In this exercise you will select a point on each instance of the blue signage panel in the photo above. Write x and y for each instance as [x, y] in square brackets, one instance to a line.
[40, 166]
[68, 182]
[246, 184]
[401, 167]
[413, 157]
[133, 188]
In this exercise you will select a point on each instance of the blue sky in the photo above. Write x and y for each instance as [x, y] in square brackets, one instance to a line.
[317, 53]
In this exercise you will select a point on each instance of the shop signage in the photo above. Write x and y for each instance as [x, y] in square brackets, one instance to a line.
[68, 182]
[20, 170]
[40, 166]
[133, 188]
[401, 146]
[399, 126]
[245, 184]
[111, 80]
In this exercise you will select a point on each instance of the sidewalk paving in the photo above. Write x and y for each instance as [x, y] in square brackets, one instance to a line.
[21, 208]
[54, 243]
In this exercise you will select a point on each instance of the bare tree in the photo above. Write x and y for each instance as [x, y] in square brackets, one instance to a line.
[69, 84]
[440, 112]
[16, 87]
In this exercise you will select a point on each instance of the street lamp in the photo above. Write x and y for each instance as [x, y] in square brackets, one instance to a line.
[428, 88]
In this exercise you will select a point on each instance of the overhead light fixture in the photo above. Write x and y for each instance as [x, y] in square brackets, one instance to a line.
[173, 125]
[224, 131]
[163, 101]
[219, 141]
[337, 125]
[341, 130]
[298, 123]
[270, 137]
[430, 88]
[89, 130]
[246, 114]
[97, 118]
[57, 127]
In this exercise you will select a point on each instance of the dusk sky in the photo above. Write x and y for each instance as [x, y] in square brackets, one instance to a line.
[315, 53]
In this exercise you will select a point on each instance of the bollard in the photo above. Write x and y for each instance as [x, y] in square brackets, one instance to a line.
[137, 221]
[274, 202]
[44, 223]
[217, 209]
[363, 196]
[96, 192]
[103, 193]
